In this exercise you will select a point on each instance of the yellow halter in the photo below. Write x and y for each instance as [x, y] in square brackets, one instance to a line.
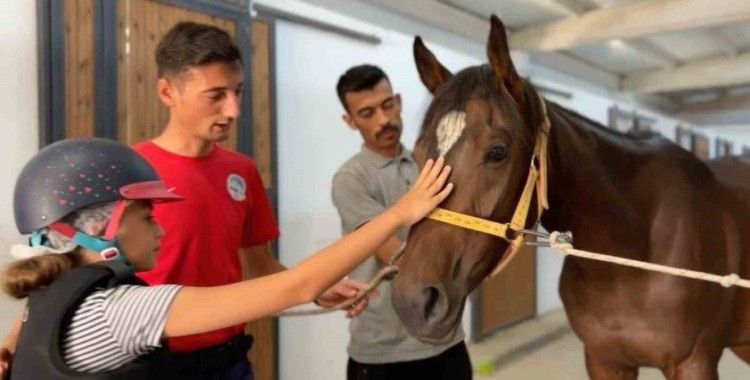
[537, 179]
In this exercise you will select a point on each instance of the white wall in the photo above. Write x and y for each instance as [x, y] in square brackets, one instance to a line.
[18, 119]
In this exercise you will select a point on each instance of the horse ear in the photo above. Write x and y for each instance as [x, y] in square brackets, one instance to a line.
[431, 71]
[498, 53]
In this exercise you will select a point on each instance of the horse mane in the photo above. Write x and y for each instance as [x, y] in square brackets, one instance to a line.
[638, 148]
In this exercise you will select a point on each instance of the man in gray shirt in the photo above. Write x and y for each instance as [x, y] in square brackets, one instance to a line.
[365, 185]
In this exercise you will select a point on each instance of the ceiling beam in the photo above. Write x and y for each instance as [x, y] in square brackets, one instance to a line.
[566, 7]
[709, 73]
[642, 47]
[723, 44]
[630, 20]
[577, 68]
[653, 52]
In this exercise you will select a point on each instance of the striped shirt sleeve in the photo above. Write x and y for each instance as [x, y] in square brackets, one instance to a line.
[114, 326]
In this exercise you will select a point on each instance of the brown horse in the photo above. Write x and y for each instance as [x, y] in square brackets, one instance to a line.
[639, 197]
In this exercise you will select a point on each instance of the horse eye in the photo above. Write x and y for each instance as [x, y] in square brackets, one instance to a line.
[496, 153]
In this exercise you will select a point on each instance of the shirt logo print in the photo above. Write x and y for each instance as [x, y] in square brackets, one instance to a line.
[236, 187]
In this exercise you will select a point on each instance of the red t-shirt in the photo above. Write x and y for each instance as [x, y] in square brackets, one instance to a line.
[225, 208]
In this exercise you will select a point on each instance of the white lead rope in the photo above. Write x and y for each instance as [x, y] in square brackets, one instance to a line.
[562, 242]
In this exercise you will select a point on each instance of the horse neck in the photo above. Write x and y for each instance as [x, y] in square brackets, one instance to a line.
[588, 187]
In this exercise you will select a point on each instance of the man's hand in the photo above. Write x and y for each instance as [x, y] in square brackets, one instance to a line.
[342, 291]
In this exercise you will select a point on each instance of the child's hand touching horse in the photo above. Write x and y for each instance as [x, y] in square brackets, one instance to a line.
[428, 191]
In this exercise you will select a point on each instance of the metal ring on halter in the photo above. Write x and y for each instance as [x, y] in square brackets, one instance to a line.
[534, 161]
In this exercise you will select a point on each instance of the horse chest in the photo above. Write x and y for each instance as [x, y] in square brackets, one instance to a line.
[628, 321]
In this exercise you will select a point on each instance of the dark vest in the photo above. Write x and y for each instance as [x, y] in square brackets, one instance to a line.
[39, 354]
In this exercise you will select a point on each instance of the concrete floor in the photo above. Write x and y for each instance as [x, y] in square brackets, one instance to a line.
[546, 348]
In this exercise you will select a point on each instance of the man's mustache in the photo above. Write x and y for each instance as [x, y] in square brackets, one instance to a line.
[388, 128]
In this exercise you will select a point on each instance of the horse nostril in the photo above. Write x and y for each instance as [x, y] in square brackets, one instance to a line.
[432, 296]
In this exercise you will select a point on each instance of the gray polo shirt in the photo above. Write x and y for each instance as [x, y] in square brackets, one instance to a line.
[363, 187]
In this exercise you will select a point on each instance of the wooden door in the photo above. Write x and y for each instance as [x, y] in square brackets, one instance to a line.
[264, 330]
[79, 68]
[509, 297]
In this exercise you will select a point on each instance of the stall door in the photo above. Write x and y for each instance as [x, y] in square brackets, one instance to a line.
[509, 297]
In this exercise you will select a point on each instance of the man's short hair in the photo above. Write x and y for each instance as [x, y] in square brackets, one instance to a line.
[190, 44]
[359, 78]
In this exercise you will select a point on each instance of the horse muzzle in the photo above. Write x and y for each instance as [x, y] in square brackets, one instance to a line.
[426, 311]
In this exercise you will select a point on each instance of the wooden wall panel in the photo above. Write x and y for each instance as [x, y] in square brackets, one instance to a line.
[262, 329]
[261, 82]
[141, 24]
[79, 67]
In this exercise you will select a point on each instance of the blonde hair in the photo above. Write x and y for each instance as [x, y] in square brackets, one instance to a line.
[43, 264]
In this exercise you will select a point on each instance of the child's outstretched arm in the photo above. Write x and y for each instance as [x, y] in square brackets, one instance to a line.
[197, 310]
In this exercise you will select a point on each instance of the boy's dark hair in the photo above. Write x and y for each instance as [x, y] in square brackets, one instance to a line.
[358, 78]
[190, 44]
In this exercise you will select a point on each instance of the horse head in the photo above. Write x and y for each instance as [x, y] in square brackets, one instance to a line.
[484, 120]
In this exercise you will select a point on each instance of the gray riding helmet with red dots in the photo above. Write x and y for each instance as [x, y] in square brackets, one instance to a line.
[80, 172]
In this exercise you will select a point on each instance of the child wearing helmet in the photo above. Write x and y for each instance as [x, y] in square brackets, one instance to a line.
[87, 203]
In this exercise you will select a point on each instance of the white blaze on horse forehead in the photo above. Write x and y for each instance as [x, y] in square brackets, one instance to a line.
[449, 130]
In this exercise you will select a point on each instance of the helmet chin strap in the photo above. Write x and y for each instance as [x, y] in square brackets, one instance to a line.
[107, 245]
